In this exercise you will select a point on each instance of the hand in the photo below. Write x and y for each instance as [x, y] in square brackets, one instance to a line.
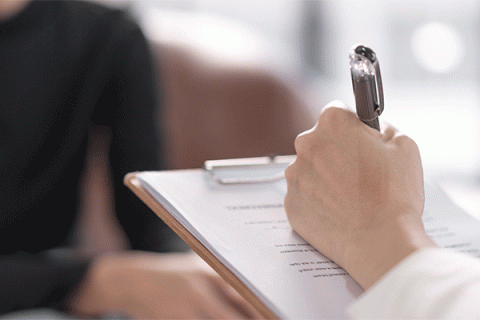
[158, 286]
[356, 194]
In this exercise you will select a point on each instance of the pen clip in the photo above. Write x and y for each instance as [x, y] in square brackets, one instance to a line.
[379, 86]
[363, 61]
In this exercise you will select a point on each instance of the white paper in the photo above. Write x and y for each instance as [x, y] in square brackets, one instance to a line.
[449, 225]
[246, 228]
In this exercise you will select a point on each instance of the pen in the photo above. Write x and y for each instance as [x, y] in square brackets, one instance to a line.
[367, 84]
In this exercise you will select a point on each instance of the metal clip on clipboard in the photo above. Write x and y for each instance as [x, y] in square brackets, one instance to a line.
[248, 170]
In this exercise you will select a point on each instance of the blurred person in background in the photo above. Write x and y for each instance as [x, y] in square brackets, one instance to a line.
[66, 66]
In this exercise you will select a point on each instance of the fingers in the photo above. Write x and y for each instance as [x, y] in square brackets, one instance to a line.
[391, 135]
[172, 286]
[238, 307]
[339, 121]
[226, 302]
[388, 131]
[218, 300]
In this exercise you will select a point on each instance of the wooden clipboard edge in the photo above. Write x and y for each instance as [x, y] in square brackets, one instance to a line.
[133, 184]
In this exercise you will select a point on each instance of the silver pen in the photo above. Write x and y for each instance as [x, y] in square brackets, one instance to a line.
[367, 84]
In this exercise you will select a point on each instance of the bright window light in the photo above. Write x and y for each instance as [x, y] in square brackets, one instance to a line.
[437, 47]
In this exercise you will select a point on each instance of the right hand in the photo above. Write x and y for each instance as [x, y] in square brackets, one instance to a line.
[356, 194]
[158, 286]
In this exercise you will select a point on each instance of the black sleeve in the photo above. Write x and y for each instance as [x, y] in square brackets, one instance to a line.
[38, 280]
[135, 114]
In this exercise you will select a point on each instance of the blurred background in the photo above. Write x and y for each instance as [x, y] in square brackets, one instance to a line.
[428, 52]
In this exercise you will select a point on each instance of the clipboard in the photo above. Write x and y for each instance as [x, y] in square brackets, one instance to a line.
[259, 169]
[441, 215]
[132, 182]
[185, 194]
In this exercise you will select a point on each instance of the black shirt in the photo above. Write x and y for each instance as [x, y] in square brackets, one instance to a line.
[66, 66]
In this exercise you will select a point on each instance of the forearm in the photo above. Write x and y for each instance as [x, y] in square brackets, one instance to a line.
[96, 295]
[145, 285]
[112, 283]
[369, 259]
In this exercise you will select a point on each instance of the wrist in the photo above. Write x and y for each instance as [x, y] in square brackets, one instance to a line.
[370, 258]
[98, 293]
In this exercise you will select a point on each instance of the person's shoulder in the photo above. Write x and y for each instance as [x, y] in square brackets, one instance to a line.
[92, 10]
[96, 16]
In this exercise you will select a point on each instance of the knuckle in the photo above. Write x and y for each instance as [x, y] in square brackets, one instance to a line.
[290, 173]
[333, 117]
[388, 131]
[302, 143]
[295, 178]
[405, 142]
